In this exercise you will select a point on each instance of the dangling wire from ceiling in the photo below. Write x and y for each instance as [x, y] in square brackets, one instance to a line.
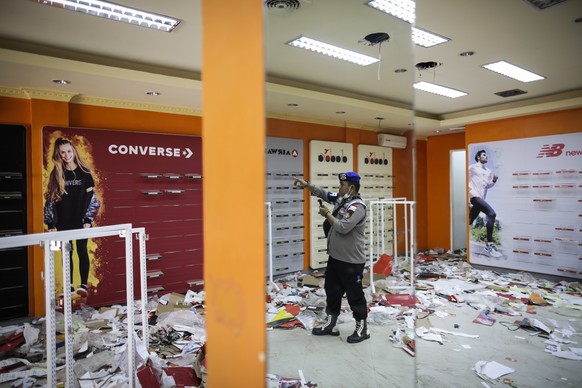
[377, 38]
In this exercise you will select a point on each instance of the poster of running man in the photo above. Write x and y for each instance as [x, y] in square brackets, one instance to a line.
[525, 204]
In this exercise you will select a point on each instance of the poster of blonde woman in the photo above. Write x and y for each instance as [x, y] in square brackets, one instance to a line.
[100, 177]
[72, 202]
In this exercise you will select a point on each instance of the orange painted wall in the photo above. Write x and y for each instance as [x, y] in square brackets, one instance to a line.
[438, 183]
[554, 123]
[89, 116]
[15, 110]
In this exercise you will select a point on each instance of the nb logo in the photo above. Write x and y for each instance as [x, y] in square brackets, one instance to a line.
[551, 151]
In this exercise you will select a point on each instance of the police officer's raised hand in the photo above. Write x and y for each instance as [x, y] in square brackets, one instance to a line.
[301, 183]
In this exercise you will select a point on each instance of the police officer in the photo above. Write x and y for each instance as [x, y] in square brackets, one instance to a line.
[346, 224]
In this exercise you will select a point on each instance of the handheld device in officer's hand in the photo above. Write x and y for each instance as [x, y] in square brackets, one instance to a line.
[320, 202]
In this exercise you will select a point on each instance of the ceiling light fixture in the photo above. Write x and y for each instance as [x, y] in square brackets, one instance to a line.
[426, 38]
[401, 9]
[116, 12]
[61, 81]
[437, 89]
[332, 51]
[512, 71]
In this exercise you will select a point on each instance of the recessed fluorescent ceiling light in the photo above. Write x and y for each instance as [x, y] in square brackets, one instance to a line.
[437, 89]
[333, 51]
[426, 39]
[513, 71]
[116, 12]
[402, 9]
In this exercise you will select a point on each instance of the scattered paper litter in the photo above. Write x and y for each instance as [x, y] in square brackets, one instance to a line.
[424, 333]
[457, 333]
[492, 369]
[567, 354]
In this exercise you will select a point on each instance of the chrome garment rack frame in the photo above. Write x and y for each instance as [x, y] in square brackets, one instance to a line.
[55, 241]
[378, 207]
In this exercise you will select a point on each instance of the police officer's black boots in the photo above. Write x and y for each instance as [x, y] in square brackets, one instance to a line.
[328, 327]
[361, 333]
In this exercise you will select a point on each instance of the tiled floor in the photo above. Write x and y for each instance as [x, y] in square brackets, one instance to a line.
[332, 362]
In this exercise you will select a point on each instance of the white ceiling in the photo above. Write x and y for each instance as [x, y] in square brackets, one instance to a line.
[116, 64]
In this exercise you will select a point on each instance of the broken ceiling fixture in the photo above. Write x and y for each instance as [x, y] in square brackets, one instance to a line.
[543, 4]
[427, 65]
[422, 66]
[284, 7]
[376, 38]
[510, 93]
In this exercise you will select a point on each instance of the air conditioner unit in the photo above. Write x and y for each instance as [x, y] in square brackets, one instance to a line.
[393, 141]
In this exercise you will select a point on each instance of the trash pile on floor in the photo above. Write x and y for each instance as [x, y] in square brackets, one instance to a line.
[540, 315]
[175, 358]
[445, 285]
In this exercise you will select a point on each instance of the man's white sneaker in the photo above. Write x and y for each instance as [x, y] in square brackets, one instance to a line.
[492, 251]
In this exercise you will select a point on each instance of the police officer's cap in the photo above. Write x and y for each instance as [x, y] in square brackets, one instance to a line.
[349, 177]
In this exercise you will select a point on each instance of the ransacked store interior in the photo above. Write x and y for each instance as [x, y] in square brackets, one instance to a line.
[290, 193]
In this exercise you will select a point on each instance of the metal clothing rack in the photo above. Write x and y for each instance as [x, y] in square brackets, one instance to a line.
[55, 241]
[270, 238]
[379, 207]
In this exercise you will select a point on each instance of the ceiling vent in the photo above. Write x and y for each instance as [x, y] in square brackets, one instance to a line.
[511, 93]
[284, 7]
[543, 4]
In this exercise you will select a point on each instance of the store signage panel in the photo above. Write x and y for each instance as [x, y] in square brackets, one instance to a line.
[537, 200]
[327, 160]
[284, 162]
[375, 169]
[149, 180]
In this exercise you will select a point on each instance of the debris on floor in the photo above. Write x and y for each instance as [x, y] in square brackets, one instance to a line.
[446, 287]
[175, 357]
[449, 288]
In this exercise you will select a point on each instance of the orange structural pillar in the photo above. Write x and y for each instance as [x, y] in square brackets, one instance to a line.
[233, 146]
